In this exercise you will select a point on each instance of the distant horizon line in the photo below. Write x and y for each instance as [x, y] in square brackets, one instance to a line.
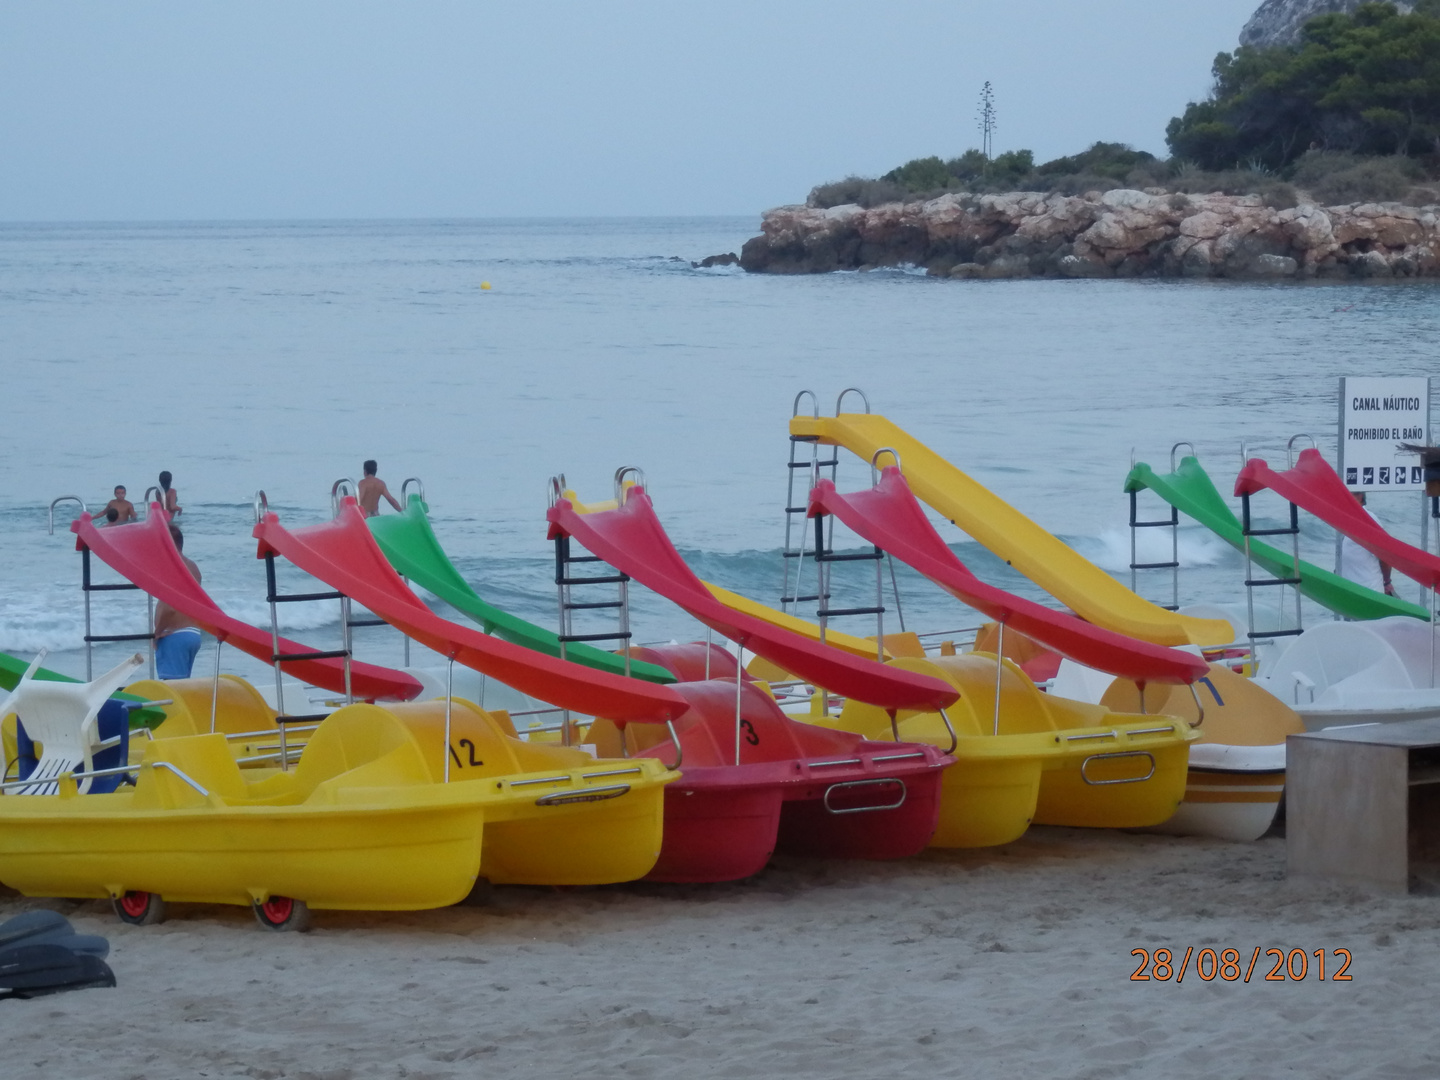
[53, 222]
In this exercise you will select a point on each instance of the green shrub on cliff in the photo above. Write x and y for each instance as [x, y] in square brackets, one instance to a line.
[1367, 83]
[1113, 161]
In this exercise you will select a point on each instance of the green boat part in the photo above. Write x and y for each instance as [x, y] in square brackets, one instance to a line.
[1190, 490]
[414, 551]
[12, 669]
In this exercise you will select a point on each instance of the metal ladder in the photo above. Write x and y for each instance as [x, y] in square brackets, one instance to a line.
[88, 586]
[1251, 581]
[278, 660]
[565, 582]
[1172, 523]
[795, 555]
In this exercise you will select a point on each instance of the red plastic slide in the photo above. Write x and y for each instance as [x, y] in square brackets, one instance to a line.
[144, 554]
[889, 517]
[1315, 487]
[343, 554]
[632, 540]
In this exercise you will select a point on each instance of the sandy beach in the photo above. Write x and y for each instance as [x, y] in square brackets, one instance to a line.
[1006, 962]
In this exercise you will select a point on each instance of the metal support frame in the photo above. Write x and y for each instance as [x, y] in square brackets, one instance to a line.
[215, 686]
[449, 703]
[999, 669]
[739, 685]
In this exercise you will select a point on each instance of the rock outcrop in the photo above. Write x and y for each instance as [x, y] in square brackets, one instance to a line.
[1278, 22]
[1121, 233]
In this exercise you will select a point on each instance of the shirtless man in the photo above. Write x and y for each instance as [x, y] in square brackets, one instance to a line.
[123, 507]
[177, 638]
[371, 488]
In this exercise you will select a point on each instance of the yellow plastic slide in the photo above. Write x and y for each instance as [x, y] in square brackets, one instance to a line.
[1046, 560]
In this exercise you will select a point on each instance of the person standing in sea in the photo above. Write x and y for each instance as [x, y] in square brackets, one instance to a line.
[123, 507]
[172, 497]
[177, 638]
[371, 489]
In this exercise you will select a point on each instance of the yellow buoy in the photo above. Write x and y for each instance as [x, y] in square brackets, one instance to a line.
[485, 285]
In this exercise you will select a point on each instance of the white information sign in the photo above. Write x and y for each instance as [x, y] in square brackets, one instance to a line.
[1376, 412]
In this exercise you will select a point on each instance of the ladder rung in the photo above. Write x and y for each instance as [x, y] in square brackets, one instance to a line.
[1272, 532]
[367, 622]
[1274, 633]
[796, 509]
[797, 599]
[593, 605]
[300, 718]
[865, 556]
[1153, 565]
[295, 598]
[851, 611]
[1167, 523]
[285, 658]
[595, 637]
[583, 558]
[1259, 583]
[108, 588]
[608, 579]
[795, 554]
[119, 637]
[814, 464]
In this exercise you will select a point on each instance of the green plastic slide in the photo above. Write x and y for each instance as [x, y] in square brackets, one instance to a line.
[1190, 490]
[412, 548]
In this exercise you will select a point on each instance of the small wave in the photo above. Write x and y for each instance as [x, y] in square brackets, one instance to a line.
[1111, 549]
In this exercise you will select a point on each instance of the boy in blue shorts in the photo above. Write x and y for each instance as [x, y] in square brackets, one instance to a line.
[177, 638]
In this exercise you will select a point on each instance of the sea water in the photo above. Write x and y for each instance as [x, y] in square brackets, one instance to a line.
[279, 356]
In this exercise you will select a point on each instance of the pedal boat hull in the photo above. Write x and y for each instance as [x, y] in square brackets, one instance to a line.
[798, 789]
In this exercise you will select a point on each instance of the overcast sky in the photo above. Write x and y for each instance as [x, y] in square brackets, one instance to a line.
[118, 110]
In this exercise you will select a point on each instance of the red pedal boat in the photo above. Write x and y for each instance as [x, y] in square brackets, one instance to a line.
[800, 789]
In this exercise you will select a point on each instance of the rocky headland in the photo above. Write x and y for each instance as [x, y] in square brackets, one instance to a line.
[1278, 22]
[1118, 233]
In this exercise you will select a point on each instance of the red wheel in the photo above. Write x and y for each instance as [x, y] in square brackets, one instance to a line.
[282, 913]
[139, 908]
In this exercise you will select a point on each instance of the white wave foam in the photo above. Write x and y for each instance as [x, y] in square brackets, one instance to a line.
[54, 619]
[1111, 549]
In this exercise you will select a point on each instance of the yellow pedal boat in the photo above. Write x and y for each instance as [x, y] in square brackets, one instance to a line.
[365, 819]
[1052, 762]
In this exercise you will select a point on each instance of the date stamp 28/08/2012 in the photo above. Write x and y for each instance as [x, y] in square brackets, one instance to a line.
[1294, 965]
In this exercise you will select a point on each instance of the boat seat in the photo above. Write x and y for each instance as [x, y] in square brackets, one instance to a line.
[707, 730]
[205, 759]
[64, 718]
[362, 746]
[240, 707]
[687, 662]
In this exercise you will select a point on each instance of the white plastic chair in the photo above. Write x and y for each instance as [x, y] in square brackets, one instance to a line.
[64, 719]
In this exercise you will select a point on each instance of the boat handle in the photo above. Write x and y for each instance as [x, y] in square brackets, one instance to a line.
[846, 784]
[1084, 775]
[594, 794]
